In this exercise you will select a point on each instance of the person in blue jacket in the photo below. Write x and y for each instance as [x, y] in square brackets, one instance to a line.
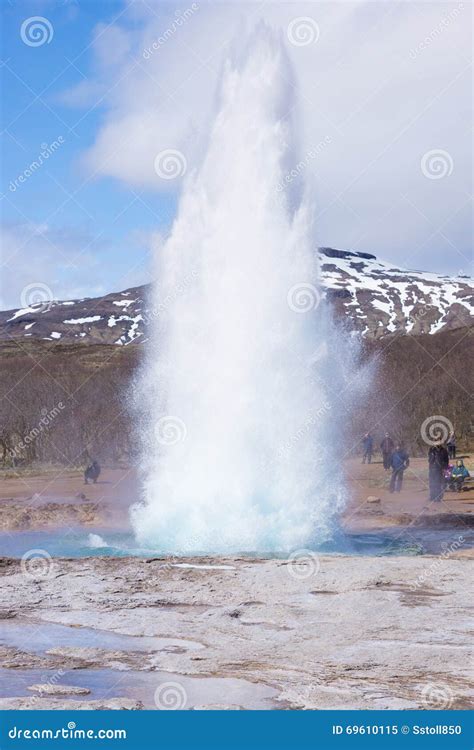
[458, 475]
[399, 462]
[368, 444]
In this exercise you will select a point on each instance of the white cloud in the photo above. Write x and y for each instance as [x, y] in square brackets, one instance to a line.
[67, 261]
[386, 81]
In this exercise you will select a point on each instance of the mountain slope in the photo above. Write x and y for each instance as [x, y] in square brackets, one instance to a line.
[375, 298]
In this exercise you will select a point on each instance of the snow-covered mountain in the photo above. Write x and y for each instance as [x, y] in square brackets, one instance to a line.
[380, 299]
[375, 298]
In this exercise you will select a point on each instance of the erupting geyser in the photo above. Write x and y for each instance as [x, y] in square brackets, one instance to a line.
[235, 407]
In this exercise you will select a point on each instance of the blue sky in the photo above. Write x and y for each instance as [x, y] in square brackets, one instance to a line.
[78, 220]
[383, 85]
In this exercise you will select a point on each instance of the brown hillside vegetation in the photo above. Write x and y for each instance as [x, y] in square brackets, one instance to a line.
[422, 376]
[65, 403]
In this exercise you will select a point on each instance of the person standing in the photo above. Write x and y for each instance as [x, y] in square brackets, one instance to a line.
[438, 461]
[399, 462]
[451, 445]
[368, 443]
[387, 446]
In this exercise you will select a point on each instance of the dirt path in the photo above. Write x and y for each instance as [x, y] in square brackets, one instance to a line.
[60, 497]
[411, 505]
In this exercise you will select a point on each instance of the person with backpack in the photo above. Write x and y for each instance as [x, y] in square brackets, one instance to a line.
[438, 462]
[399, 462]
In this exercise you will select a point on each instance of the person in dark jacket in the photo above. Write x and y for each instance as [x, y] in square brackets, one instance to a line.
[387, 446]
[458, 475]
[451, 445]
[92, 472]
[368, 444]
[399, 462]
[438, 461]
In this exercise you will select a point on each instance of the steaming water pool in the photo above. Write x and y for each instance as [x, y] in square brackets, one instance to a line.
[103, 542]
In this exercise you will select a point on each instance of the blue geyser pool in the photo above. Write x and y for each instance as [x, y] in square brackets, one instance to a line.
[103, 542]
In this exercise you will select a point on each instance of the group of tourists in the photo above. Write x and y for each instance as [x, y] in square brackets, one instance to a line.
[442, 474]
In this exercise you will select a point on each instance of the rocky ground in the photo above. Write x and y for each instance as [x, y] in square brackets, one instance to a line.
[328, 632]
[331, 631]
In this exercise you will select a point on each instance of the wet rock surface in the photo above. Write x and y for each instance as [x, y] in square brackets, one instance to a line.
[49, 689]
[339, 632]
